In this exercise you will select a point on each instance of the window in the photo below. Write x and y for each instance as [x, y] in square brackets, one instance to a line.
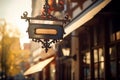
[112, 52]
[98, 63]
[115, 61]
[86, 66]
[102, 45]
[84, 40]
[114, 48]
[115, 30]
[98, 35]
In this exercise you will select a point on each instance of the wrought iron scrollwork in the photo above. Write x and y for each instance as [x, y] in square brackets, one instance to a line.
[46, 43]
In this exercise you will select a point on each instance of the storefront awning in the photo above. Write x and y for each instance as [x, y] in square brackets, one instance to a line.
[85, 16]
[38, 67]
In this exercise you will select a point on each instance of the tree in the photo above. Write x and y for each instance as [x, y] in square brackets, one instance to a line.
[10, 51]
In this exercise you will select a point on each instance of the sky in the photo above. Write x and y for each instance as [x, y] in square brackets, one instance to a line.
[11, 11]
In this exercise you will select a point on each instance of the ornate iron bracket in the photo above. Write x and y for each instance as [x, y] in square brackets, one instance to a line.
[45, 39]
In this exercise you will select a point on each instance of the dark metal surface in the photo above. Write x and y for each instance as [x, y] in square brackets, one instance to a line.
[45, 39]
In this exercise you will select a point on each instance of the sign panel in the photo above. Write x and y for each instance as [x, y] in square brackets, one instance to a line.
[45, 31]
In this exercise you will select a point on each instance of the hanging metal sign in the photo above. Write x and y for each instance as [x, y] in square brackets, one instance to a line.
[45, 31]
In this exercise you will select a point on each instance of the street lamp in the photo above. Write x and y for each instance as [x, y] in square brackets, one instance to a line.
[66, 54]
[66, 51]
[46, 28]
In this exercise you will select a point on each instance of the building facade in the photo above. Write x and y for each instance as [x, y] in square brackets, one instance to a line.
[94, 45]
[98, 50]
